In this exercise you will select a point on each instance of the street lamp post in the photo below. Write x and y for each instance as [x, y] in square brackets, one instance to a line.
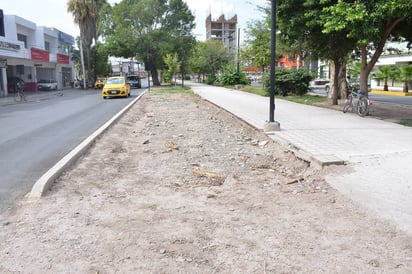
[238, 50]
[148, 56]
[272, 125]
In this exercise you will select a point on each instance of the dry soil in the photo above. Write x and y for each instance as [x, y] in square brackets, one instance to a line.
[178, 185]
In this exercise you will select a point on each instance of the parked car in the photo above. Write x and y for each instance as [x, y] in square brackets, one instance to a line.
[134, 81]
[44, 84]
[12, 83]
[99, 83]
[116, 87]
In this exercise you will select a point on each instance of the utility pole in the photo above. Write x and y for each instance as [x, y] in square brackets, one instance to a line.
[272, 125]
[238, 50]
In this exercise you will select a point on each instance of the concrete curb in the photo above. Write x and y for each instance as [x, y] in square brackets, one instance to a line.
[46, 180]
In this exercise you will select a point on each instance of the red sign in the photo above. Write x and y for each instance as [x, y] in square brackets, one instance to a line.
[39, 55]
[62, 59]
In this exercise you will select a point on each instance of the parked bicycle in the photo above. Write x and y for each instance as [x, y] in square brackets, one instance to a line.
[19, 96]
[357, 101]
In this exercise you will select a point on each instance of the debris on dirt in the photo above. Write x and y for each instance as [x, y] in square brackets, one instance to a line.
[225, 199]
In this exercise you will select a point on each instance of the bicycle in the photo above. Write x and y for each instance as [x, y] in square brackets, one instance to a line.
[357, 100]
[19, 96]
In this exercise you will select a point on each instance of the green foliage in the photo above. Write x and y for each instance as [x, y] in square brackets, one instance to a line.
[172, 63]
[256, 52]
[100, 59]
[385, 73]
[87, 15]
[231, 77]
[209, 58]
[306, 99]
[173, 89]
[406, 122]
[166, 78]
[289, 81]
[150, 29]
[405, 75]
[255, 90]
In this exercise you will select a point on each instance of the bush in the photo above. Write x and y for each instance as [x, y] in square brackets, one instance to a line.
[166, 78]
[231, 77]
[289, 81]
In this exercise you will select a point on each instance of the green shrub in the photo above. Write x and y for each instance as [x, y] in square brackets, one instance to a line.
[231, 77]
[289, 81]
[166, 78]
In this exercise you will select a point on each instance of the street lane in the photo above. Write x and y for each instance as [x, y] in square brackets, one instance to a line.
[389, 99]
[37, 134]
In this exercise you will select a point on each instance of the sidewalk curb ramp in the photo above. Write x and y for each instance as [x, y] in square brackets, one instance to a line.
[43, 184]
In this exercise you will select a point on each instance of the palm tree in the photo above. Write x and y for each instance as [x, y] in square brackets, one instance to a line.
[385, 73]
[86, 14]
[405, 75]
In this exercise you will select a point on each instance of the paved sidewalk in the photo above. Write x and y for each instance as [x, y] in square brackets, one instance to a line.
[377, 154]
[33, 96]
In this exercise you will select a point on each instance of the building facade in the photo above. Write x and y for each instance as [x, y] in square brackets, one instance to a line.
[223, 30]
[33, 53]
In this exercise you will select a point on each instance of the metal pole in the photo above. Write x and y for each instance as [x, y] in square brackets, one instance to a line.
[183, 72]
[238, 49]
[272, 64]
[82, 59]
[148, 67]
[183, 64]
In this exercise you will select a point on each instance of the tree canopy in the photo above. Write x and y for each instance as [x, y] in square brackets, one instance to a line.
[148, 30]
[371, 24]
[209, 58]
[86, 14]
[334, 29]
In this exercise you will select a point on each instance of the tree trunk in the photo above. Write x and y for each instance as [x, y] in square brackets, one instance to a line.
[88, 68]
[405, 86]
[155, 76]
[339, 82]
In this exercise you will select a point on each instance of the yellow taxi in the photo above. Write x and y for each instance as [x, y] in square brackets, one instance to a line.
[99, 84]
[116, 87]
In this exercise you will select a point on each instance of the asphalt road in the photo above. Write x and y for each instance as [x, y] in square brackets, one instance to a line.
[401, 100]
[36, 134]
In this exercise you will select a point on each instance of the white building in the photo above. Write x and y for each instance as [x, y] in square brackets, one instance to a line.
[395, 54]
[33, 52]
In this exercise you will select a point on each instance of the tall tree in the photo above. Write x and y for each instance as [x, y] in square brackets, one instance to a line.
[210, 57]
[301, 28]
[150, 29]
[405, 75]
[257, 44]
[173, 66]
[371, 24]
[86, 14]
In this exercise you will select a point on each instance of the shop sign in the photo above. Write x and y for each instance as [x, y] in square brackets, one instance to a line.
[62, 59]
[9, 46]
[39, 55]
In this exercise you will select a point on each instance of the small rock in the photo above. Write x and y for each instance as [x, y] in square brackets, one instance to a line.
[180, 259]
[374, 263]
[146, 142]
[162, 251]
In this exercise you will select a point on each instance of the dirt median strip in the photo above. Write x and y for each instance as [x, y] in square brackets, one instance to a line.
[142, 200]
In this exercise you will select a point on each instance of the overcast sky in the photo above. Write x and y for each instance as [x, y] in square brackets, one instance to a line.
[53, 13]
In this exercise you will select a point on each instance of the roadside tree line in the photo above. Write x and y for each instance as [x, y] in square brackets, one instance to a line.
[159, 33]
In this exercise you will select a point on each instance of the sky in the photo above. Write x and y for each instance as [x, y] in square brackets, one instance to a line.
[53, 13]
